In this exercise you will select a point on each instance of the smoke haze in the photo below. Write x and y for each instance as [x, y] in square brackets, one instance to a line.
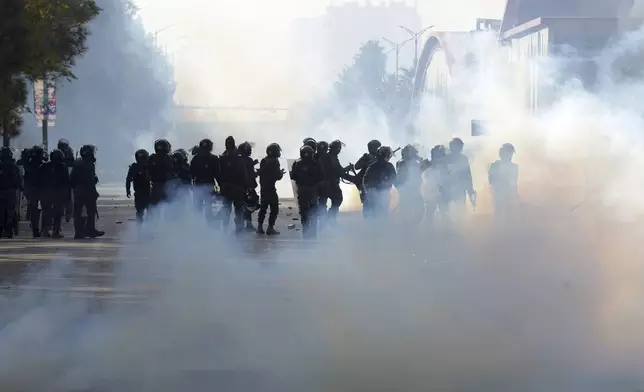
[546, 301]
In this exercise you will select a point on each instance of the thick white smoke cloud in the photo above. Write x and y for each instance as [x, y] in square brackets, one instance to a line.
[548, 301]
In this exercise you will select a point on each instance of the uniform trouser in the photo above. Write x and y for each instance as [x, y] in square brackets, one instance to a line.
[334, 193]
[33, 195]
[378, 200]
[141, 204]
[438, 204]
[232, 197]
[53, 203]
[69, 204]
[8, 204]
[202, 199]
[307, 202]
[248, 216]
[323, 198]
[411, 204]
[457, 203]
[85, 197]
[158, 193]
[504, 203]
[69, 208]
[268, 199]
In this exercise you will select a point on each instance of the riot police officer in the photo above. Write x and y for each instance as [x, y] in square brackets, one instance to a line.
[138, 176]
[503, 177]
[33, 183]
[205, 171]
[322, 149]
[333, 172]
[160, 171]
[245, 150]
[408, 183]
[83, 182]
[269, 173]
[378, 180]
[55, 191]
[181, 168]
[9, 185]
[233, 184]
[309, 141]
[63, 145]
[361, 165]
[307, 174]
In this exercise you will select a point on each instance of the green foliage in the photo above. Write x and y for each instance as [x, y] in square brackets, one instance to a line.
[37, 38]
[367, 81]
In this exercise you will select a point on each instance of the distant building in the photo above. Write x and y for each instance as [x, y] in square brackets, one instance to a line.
[578, 29]
[330, 42]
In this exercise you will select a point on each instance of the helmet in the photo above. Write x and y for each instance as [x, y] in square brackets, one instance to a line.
[306, 152]
[63, 143]
[230, 143]
[456, 145]
[180, 156]
[335, 147]
[251, 201]
[437, 152]
[309, 141]
[506, 151]
[162, 146]
[205, 145]
[56, 155]
[25, 153]
[141, 156]
[87, 151]
[384, 153]
[6, 154]
[274, 150]
[409, 152]
[37, 152]
[245, 149]
[322, 147]
[373, 146]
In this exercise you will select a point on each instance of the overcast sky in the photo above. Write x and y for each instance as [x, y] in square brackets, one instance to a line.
[236, 52]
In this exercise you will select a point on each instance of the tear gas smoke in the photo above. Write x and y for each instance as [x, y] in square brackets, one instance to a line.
[124, 89]
[547, 301]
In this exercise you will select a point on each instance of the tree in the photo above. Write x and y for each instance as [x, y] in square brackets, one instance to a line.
[367, 79]
[364, 78]
[38, 38]
[124, 91]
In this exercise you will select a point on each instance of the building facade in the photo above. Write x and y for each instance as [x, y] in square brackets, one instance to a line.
[573, 31]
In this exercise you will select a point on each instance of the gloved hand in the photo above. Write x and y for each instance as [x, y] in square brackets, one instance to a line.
[128, 194]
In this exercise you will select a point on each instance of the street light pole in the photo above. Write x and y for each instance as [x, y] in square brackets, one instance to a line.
[397, 47]
[156, 33]
[416, 37]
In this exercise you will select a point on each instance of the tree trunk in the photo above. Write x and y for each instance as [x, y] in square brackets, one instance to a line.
[6, 138]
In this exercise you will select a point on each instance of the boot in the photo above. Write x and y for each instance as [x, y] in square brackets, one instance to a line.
[95, 233]
[36, 233]
[271, 231]
[46, 233]
[79, 228]
[90, 228]
[260, 228]
[57, 235]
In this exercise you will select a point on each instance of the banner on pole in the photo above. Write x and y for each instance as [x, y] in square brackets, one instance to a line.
[45, 104]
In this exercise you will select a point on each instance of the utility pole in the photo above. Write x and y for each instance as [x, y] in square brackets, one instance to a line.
[397, 47]
[416, 37]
